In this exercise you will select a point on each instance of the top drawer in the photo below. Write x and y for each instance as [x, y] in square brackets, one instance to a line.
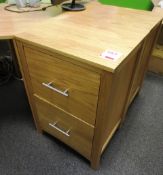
[71, 87]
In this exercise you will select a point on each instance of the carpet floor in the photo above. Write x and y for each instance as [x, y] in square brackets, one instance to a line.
[135, 149]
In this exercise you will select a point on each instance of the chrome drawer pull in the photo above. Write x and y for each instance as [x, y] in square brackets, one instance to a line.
[49, 85]
[66, 133]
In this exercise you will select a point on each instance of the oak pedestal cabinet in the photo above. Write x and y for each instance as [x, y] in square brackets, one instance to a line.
[82, 103]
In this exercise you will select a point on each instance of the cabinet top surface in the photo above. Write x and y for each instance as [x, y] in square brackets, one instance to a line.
[85, 35]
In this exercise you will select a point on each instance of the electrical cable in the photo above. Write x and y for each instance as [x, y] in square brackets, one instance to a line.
[6, 63]
[24, 11]
[6, 69]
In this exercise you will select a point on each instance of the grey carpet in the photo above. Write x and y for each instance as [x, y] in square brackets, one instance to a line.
[136, 148]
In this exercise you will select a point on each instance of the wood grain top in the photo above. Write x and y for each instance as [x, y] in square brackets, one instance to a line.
[12, 23]
[85, 35]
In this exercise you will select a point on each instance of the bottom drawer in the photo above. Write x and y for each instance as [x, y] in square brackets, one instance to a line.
[65, 127]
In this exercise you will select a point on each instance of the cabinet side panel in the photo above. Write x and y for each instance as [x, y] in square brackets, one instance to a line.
[117, 103]
[24, 70]
[149, 45]
[113, 95]
[104, 98]
[142, 64]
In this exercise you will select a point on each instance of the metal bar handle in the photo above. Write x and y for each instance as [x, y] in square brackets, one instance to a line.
[49, 85]
[66, 133]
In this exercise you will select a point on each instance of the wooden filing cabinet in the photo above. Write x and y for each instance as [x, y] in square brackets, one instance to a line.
[75, 95]
[79, 104]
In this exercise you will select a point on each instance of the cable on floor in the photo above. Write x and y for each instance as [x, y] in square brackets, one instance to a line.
[6, 69]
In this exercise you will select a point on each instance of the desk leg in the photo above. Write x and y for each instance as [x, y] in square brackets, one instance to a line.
[23, 67]
[95, 162]
[14, 58]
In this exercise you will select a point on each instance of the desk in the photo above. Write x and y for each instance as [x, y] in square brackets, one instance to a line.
[13, 23]
[76, 95]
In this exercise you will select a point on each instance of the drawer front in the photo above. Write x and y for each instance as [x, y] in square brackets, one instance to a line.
[72, 88]
[66, 128]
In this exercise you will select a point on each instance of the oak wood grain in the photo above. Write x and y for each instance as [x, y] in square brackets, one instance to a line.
[81, 134]
[82, 84]
[67, 50]
[13, 23]
[25, 74]
[85, 35]
[113, 95]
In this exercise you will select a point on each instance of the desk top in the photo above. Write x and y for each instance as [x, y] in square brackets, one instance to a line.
[12, 23]
[85, 35]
